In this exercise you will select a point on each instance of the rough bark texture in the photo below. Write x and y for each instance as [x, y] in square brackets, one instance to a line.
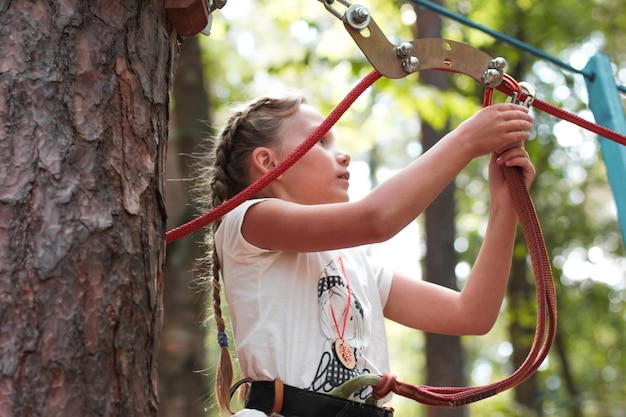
[183, 389]
[84, 96]
[445, 363]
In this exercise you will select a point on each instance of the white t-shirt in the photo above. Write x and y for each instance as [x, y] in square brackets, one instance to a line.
[282, 304]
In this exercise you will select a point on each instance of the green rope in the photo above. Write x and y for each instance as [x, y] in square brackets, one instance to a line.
[352, 385]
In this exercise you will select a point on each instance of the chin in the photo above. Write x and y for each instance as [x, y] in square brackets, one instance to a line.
[343, 199]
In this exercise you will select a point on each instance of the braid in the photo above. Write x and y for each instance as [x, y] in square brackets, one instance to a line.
[224, 375]
[257, 124]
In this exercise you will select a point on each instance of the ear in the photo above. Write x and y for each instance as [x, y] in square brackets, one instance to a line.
[264, 159]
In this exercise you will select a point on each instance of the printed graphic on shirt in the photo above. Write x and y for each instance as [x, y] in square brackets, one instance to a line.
[341, 324]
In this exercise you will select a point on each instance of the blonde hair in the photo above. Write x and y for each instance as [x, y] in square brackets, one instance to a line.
[256, 124]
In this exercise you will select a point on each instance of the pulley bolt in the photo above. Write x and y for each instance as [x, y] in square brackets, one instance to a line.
[491, 77]
[358, 17]
[404, 49]
[498, 63]
[360, 14]
[410, 64]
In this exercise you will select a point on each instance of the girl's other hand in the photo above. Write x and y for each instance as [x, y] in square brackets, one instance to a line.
[516, 156]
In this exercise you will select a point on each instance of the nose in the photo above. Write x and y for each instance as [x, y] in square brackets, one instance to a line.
[343, 157]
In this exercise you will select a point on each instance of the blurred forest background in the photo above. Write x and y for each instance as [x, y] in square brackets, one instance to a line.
[265, 47]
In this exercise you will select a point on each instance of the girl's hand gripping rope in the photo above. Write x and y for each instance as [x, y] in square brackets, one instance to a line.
[496, 128]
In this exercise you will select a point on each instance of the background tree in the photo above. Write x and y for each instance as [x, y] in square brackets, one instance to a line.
[83, 128]
[183, 359]
[445, 362]
[569, 185]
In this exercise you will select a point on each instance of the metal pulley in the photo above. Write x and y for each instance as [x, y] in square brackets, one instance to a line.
[398, 61]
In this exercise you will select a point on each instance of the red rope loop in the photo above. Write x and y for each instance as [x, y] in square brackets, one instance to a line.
[546, 297]
[386, 385]
[546, 303]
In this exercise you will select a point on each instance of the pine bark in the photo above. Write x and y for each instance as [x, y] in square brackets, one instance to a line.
[84, 98]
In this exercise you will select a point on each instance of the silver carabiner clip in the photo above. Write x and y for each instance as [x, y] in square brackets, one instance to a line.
[530, 94]
[528, 90]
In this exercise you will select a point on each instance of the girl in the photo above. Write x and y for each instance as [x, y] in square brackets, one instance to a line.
[307, 305]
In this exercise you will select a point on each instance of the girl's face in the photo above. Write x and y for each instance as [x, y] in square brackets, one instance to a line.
[321, 175]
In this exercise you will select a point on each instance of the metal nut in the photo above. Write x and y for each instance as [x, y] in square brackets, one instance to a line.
[358, 17]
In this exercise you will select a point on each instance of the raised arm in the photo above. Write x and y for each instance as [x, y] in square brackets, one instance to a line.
[422, 305]
[286, 224]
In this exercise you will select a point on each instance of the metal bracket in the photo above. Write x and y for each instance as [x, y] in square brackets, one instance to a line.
[191, 17]
[398, 61]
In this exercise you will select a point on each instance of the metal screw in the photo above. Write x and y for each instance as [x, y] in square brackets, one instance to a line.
[404, 49]
[498, 63]
[410, 64]
[491, 77]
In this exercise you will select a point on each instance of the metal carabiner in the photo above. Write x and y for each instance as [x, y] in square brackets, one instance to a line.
[529, 90]
[523, 93]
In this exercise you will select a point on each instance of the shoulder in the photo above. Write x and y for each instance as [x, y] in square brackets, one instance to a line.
[234, 218]
[229, 233]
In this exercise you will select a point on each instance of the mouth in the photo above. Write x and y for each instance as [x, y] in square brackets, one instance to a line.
[344, 176]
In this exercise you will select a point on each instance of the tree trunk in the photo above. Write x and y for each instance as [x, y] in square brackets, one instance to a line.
[182, 387]
[445, 363]
[520, 290]
[84, 97]
[520, 294]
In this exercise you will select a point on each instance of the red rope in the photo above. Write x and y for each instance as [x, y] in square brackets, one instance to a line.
[372, 77]
[546, 307]
[546, 295]
[603, 131]
[279, 169]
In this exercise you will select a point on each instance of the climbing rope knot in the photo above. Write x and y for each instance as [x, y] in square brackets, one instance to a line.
[385, 386]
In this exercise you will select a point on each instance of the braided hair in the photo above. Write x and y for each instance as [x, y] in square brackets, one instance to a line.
[257, 124]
